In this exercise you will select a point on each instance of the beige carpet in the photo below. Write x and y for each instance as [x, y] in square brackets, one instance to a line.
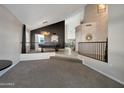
[54, 73]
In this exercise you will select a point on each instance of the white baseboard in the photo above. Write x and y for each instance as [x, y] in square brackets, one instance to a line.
[121, 82]
[7, 69]
[83, 58]
[36, 56]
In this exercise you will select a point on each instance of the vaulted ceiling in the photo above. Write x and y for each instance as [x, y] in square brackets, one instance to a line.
[33, 15]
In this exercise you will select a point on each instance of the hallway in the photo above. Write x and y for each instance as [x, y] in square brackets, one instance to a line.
[27, 43]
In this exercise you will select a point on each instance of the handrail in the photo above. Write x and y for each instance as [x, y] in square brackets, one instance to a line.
[96, 50]
[95, 42]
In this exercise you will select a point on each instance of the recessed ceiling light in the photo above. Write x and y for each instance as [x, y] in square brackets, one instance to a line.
[101, 8]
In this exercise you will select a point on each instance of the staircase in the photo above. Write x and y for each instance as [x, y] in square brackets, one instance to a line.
[68, 59]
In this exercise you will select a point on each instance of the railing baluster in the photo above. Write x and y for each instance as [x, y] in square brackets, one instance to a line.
[102, 51]
[97, 51]
[94, 50]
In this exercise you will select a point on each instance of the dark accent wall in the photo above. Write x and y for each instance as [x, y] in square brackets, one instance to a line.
[24, 39]
[58, 28]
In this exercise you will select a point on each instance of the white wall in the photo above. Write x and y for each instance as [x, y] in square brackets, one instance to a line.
[101, 20]
[116, 40]
[27, 40]
[115, 66]
[10, 35]
[71, 23]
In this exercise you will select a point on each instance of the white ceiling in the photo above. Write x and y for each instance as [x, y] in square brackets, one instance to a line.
[33, 15]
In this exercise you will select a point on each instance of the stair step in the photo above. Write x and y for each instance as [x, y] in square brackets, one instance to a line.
[66, 59]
